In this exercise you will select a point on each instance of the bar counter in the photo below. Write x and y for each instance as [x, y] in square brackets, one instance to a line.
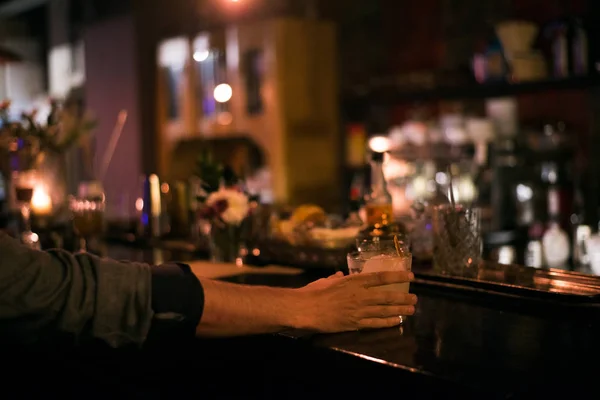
[472, 345]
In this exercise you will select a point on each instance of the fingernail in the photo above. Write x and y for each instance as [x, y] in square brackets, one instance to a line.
[414, 299]
[411, 310]
[411, 276]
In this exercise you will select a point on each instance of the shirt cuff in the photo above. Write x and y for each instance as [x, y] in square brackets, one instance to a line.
[177, 300]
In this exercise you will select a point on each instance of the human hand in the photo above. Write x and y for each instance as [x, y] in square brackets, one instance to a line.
[347, 303]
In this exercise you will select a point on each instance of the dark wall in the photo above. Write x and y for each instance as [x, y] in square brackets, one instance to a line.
[67, 19]
[112, 86]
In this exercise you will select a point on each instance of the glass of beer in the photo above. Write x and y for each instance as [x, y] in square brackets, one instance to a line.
[381, 255]
[87, 210]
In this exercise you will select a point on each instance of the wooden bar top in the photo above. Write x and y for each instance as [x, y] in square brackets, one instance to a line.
[504, 347]
[219, 270]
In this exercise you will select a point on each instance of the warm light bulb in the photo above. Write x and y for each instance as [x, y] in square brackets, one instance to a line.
[201, 55]
[223, 93]
[379, 144]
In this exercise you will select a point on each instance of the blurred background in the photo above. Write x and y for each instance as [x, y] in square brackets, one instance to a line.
[495, 101]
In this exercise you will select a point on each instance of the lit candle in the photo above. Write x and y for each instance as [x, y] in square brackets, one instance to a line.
[41, 203]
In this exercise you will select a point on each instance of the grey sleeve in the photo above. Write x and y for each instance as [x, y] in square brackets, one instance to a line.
[76, 294]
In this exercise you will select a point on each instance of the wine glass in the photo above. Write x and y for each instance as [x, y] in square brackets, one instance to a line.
[87, 209]
[24, 183]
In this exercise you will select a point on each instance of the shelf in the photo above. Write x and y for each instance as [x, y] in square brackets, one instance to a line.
[388, 95]
[439, 152]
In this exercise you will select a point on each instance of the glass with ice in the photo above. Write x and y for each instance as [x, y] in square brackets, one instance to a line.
[381, 255]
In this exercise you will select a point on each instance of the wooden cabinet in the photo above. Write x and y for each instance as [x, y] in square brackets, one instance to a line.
[283, 78]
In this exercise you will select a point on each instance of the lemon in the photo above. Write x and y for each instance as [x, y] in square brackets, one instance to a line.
[306, 213]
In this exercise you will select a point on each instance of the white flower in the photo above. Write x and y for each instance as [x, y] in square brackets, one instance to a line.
[237, 205]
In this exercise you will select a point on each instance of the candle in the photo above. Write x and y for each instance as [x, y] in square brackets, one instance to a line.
[41, 203]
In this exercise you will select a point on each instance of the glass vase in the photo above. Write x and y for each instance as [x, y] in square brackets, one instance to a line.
[226, 243]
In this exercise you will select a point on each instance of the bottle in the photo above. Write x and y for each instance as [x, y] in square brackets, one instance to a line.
[354, 217]
[569, 48]
[150, 221]
[378, 206]
[534, 256]
[579, 48]
[555, 242]
[560, 50]
[581, 230]
[496, 70]
[355, 202]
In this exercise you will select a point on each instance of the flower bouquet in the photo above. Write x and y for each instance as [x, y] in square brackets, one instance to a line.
[224, 210]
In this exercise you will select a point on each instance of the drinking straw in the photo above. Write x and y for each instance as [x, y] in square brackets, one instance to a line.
[397, 245]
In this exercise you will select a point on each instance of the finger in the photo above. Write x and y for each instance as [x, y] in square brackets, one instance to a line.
[391, 298]
[387, 311]
[338, 274]
[375, 323]
[386, 278]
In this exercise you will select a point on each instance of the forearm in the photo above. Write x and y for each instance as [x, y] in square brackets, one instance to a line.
[232, 310]
[81, 295]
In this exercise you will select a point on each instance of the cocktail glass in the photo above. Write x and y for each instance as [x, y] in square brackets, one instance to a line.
[380, 256]
[24, 183]
[87, 211]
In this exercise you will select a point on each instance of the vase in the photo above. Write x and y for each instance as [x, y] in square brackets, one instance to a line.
[225, 242]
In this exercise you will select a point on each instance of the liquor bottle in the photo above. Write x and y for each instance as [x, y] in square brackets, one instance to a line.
[378, 206]
[534, 256]
[581, 231]
[579, 48]
[356, 201]
[555, 242]
[569, 47]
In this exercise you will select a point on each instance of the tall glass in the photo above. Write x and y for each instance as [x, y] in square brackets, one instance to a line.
[24, 184]
[380, 256]
[457, 240]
